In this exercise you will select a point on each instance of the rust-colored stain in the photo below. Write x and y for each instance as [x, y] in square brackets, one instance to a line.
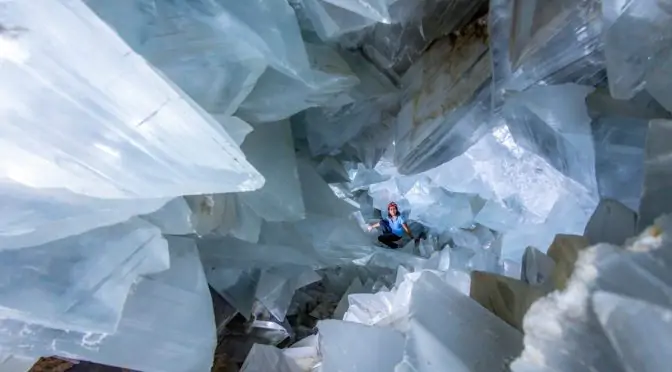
[51, 364]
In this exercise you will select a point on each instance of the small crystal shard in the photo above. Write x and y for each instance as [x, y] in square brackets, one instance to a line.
[612, 223]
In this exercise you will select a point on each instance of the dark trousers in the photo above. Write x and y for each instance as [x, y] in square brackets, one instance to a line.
[388, 237]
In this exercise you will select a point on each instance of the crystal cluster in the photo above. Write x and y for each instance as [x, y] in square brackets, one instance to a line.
[202, 165]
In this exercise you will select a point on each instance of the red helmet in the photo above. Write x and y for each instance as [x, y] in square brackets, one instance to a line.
[392, 204]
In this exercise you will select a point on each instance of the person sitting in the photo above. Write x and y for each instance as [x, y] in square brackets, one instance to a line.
[393, 227]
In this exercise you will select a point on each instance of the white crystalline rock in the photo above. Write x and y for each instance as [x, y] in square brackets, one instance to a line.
[168, 316]
[437, 208]
[80, 283]
[206, 50]
[613, 314]
[31, 217]
[270, 149]
[332, 171]
[118, 130]
[235, 127]
[266, 358]
[634, 66]
[657, 173]
[348, 346]
[619, 158]
[174, 218]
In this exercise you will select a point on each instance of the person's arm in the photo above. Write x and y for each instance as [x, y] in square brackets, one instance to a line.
[374, 226]
[408, 231]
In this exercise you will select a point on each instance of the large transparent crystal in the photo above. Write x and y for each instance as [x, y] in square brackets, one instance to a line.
[348, 346]
[271, 150]
[634, 66]
[550, 42]
[168, 316]
[118, 130]
[657, 173]
[81, 282]
[200, 45]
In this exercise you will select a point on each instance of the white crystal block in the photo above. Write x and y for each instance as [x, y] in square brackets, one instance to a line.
[347, 346]
[270, 149]
[201, 46]
[80, 283]
[168, 316]
[277, 285]
[478, 340]
[103, 139]
[614, 299]
[266, 358]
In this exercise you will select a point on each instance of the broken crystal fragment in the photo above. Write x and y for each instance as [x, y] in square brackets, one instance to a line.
[615, 297]
[565, 251]
[270, 149]
[105, 132]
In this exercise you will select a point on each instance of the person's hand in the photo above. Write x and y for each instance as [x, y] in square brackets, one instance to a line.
[369, 227]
